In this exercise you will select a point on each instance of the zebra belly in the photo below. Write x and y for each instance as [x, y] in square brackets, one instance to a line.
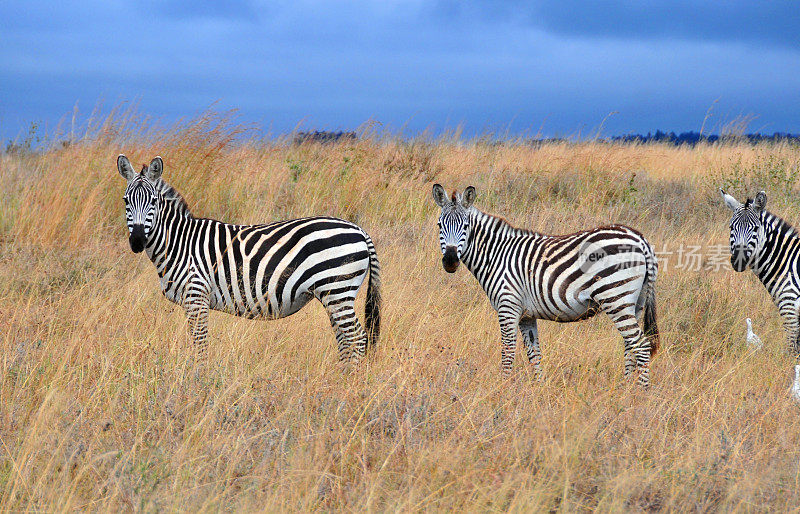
[579, 310]
[298, 302]
[218, 303]
[574, 303]
[589, 311]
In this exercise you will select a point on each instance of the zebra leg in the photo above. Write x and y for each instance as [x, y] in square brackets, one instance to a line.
[791, 324]
[530, 335]
[196, 304]
[350, 335]
[509, 320]
[642, 355]
[637, 346]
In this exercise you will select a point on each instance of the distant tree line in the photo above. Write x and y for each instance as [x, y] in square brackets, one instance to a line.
[323, 136]
[684, 138]
[692, 138]
[33, 141]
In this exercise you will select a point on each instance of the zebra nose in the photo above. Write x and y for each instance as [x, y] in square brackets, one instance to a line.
[450, 259]
[137, 238]
[738, 260]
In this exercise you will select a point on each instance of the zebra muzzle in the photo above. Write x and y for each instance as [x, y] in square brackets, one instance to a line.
[738, 259]
[137, 238]
[738, 263]
[450, 260]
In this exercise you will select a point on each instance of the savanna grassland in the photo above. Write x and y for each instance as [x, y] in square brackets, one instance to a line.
[101, 407]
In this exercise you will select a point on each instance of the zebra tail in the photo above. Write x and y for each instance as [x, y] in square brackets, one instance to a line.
[372, 306]
[650, 318]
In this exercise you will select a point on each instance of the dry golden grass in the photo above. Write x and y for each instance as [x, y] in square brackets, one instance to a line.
[100, 409]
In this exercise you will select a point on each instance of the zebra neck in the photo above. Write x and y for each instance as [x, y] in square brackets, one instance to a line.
[778, 247]
[488, 237]
[172, 199]
[174, 224]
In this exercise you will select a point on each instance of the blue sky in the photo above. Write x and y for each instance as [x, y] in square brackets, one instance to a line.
[555, 67]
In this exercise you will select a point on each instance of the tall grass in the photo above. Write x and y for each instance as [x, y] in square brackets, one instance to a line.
[100, 409]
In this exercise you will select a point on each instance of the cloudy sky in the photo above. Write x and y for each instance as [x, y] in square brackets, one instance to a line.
[550, 67]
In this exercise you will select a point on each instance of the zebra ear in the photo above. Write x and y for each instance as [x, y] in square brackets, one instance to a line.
[469, 197]
[761, 201]
[155, 169]
[439, 195]
[124, 167]
[730, 201]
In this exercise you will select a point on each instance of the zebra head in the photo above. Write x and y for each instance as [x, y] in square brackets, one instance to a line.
[141, 199]
[745, 228]
[453, 224]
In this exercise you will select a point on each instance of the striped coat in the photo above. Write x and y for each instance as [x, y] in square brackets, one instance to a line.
[771, 248]
[530, 276]
[255, 271]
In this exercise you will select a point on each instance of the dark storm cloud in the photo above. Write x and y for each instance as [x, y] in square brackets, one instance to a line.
[772, 22]
[489, 66]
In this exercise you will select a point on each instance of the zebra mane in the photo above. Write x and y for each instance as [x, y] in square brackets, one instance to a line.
[171, 194]
[781, 224]
[511, 230]
[503, 223]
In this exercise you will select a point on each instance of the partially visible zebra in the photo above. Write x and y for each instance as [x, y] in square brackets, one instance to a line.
[771, 248]
[530, 276]
[269, 271]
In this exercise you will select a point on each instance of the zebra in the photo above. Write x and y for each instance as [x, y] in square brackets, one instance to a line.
[771, 248]
[255, 271]
[530, 276]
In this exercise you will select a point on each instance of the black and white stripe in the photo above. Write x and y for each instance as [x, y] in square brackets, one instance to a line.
[530, 276]
[771, 248]
[268, 271]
